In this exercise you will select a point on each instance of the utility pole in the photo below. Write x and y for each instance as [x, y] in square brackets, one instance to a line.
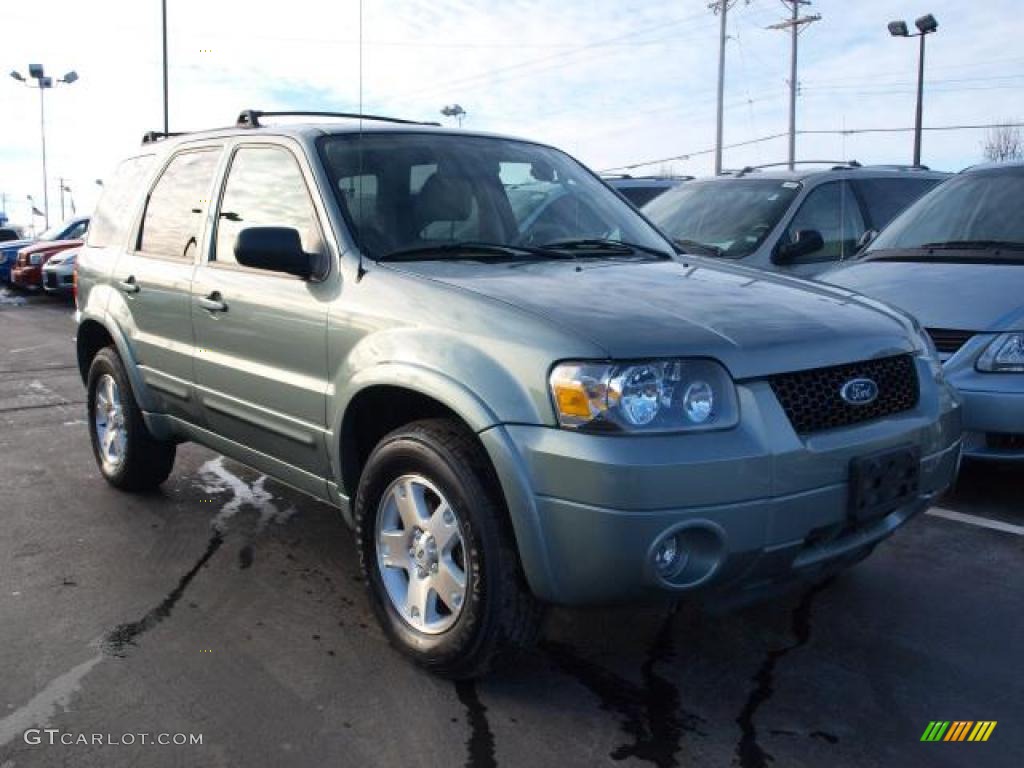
[794, 25]
[721, 7]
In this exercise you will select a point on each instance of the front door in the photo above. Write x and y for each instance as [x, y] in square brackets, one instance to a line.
[154, 275]
[261, 336]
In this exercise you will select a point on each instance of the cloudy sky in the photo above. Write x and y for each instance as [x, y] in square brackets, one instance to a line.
[614, 82]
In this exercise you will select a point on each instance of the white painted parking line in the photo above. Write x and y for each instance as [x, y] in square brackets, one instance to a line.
[981, 522]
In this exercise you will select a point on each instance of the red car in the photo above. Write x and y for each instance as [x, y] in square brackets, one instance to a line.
[28, 267]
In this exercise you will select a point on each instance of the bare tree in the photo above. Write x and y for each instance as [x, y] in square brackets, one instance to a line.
[1004, 142]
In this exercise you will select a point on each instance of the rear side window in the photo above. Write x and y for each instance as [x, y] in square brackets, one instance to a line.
[884, 198]
[174, 212]
[112, 216]
[265, 189]
[641, 196]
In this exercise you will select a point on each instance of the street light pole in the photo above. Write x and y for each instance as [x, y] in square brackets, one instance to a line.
[925, 26]
[42, 133]
[35, 72]
[920, 103]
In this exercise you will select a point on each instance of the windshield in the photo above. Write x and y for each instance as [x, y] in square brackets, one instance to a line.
[406, 191]
[731, 215]
[980, 207]
[54, 232]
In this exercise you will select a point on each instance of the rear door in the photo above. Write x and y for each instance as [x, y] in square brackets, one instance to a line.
[883, 198]
[261, 343]
[154, 276]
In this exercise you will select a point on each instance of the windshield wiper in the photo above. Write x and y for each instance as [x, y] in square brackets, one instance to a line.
[975, 245]
[700, 248]
[426, 252]
[601, 244]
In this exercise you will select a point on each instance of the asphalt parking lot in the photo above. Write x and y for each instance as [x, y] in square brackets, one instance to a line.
[230, 606]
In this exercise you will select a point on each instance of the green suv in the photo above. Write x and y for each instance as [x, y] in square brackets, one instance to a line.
[514, 399]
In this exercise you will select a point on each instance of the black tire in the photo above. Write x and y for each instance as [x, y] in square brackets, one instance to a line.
[146, 462]
[499, 615]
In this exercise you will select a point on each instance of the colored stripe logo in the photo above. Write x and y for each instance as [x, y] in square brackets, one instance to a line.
[958, 730]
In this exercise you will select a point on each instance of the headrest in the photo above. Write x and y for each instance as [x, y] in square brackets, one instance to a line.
[444, 198]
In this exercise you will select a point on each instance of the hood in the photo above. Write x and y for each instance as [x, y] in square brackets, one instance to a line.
[41, 246]
[755, 323]
[15, 245]
[964, 297]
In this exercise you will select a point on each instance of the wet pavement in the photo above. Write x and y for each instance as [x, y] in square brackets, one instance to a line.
[230, 606]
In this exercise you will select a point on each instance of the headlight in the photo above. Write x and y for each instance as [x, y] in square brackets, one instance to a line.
[1004, 355]
[646, 396]
[35, 259]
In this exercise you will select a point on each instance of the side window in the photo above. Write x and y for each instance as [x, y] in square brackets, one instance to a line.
[78, 231]
[831, 209]
[265, 188]
[884, 198]
[112, 216]
[174, 212]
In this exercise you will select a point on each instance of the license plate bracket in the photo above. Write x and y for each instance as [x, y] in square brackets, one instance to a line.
[882, 482]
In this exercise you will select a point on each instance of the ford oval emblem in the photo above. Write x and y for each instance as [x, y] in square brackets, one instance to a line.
[859, 391]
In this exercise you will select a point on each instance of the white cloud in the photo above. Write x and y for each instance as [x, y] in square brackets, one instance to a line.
[612, 82]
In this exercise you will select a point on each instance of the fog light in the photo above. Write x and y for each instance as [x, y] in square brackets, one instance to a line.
[668, 556]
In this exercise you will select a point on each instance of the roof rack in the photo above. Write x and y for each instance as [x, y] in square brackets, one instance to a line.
[649, 176]
[837, 165]
[152, 136]
[250, 118]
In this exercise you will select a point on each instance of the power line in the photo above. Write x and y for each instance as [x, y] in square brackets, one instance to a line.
[812, 131]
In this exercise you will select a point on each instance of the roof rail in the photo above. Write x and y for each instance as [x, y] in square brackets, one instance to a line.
[899, 167]
[250, 118]
[837, 165]
[150, 137]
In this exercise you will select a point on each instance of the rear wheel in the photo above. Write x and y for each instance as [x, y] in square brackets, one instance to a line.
[437, 551]
[127, 454]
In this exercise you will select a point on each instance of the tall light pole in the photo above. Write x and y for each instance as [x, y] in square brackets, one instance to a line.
[925, 26]
[35, 72]
[794, 24]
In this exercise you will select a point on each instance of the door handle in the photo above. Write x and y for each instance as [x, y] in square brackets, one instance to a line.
[212, 303]
[129, 285]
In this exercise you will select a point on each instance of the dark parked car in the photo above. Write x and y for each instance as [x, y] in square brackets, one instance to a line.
[955, 260]
[640, 190]
[800, 222]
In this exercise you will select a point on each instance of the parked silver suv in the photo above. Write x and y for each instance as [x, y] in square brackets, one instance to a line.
[510, 408]
[800, 222]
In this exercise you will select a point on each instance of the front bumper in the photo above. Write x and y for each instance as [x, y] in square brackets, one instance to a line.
[58, 280]
[27, 277]
[760, 504]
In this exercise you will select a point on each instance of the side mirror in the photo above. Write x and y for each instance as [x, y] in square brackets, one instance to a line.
[806, 241]
[866, 238]
[276, 249]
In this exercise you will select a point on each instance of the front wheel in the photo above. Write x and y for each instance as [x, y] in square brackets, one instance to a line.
[127, 454]
[437, 551]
